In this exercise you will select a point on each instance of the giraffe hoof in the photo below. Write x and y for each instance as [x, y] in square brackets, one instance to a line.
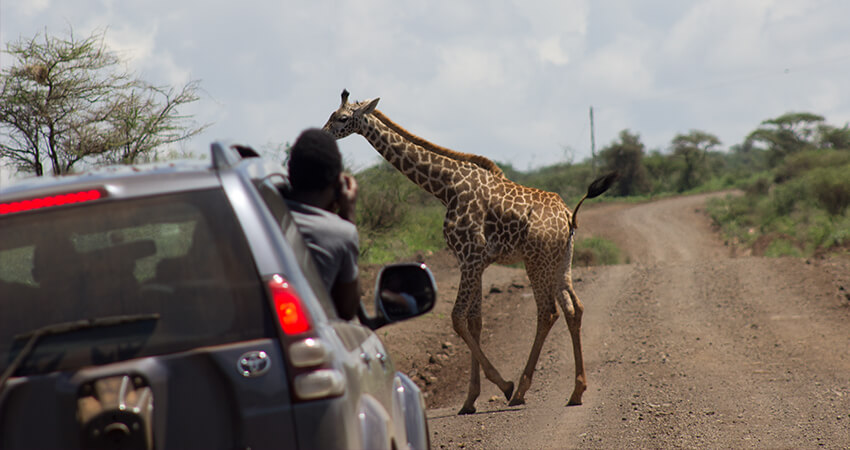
[466, 410]
[509, 391]
[575, 399]
[516, 402]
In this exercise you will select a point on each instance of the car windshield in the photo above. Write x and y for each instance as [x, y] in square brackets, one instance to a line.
[181, 256]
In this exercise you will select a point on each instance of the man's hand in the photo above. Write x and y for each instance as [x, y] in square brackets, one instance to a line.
[347, 200]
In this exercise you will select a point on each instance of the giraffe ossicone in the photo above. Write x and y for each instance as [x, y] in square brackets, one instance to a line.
[489, 219]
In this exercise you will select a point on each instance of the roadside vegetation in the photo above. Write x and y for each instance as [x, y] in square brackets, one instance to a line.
[799, 208]
[796, 193]
[397, 220]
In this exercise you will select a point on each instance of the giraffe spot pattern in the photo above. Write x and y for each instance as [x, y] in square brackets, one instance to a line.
[488, 219]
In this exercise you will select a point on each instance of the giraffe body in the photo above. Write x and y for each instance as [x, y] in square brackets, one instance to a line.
[489, 219]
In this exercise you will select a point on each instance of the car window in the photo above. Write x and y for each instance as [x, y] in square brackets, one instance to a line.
[276, 204]
[182, 256]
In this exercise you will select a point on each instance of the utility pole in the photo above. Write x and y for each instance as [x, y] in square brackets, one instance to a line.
[592, 146]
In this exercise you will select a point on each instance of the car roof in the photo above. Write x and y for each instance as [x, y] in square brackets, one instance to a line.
[119, 181]
[143, 179]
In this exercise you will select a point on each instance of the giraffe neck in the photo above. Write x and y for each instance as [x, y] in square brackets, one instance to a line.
[478, 160]
[438, 174]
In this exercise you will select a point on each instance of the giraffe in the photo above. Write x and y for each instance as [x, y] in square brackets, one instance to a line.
[489, 219]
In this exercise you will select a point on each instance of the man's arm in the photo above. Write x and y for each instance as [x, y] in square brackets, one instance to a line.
[346, 297]
[347, 199]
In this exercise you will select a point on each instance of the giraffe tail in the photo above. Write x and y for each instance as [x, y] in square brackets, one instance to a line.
[596, 188]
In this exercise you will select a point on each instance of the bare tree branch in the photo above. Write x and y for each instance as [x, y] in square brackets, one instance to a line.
[67, 101]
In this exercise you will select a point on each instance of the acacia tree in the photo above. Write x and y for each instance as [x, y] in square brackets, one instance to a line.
[833, 137]
[68, 100]
[691, 149]
[625, 158]
[787, 134]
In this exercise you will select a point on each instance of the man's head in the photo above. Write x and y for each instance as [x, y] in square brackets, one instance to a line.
[314, 161]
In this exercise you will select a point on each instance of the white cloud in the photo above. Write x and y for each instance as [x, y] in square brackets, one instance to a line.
[510, 79]
[466, 67]
[29, 7]
[134, 44]
[553, 16]
[550, 51]
[555, 29]
[723, 32]
[620, 68]
[781, 10]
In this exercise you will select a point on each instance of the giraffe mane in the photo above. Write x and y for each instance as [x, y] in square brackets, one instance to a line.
[478, 160]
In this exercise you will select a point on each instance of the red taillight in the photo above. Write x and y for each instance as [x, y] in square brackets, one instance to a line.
[291, 314]
[50, 201]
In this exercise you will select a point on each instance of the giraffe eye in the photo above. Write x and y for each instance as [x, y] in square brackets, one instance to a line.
[343, 119]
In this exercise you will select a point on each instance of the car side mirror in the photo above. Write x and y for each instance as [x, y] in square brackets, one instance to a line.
[404, 291]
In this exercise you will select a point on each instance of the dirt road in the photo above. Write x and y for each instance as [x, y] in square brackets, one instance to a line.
[685, 346]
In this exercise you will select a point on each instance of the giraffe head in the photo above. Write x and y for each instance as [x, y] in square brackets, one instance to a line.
[349, 117]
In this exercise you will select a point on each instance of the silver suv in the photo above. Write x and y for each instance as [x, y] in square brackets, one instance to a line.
[176, 306]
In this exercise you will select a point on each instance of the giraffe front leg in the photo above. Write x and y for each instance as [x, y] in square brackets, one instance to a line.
[474, 371]
[461, 326]
[475, 325]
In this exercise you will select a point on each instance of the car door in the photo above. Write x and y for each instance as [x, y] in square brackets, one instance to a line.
[368, 369]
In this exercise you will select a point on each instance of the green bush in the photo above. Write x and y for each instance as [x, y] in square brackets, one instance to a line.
[596, 251]
[386, 197]
[782, 247]
[786, 196]
[733, 215]
[760, 185]
[382, 199]
[419, 231]
[830, 186]
[797, 164]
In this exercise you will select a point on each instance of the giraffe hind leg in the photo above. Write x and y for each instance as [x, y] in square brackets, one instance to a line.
[573, 311]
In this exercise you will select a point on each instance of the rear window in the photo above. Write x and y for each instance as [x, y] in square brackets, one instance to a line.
[182, 256]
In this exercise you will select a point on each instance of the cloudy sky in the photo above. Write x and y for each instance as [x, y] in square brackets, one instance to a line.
[509, 79]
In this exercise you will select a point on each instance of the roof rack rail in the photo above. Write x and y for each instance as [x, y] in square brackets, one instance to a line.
[224, 157]
[245, 151]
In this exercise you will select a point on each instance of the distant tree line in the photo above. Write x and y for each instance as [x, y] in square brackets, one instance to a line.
[693, 159]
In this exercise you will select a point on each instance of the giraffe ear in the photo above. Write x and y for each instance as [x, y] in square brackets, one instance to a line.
[368, 106]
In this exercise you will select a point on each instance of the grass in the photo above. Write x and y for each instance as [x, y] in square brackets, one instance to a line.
[420, 230]
[596, 251]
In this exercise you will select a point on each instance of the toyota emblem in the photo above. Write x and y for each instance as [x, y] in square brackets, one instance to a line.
[253, 364]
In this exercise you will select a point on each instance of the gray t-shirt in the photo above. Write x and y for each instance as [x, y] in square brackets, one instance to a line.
[332, 240]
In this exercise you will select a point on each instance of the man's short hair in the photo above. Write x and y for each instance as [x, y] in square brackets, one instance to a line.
[314, 161]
